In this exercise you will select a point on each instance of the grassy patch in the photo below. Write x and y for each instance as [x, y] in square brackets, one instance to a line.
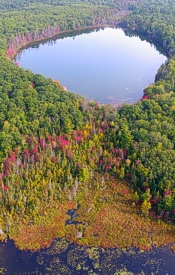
[110, 220]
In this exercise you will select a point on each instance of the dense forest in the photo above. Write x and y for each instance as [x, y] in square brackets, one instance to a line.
[57, 149]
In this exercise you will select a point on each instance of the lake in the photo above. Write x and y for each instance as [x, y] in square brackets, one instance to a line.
[106, 65]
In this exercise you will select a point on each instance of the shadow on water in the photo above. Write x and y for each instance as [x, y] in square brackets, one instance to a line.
[74, 34]
[53, 40]
[71, 259]
[154, 44]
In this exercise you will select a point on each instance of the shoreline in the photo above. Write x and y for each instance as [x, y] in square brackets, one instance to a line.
[86, 28]
[52, 36]
[116, 105]
[30, 237]
[60, 32]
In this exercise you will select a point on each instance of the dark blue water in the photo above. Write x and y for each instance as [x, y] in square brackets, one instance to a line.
[105, 65]
[65, 259]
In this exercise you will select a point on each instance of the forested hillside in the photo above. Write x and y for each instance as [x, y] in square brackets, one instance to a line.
[57, 149]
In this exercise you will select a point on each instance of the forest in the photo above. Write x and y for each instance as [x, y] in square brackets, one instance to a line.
[59, 151]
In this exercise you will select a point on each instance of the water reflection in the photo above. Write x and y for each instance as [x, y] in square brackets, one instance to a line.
[107, 65]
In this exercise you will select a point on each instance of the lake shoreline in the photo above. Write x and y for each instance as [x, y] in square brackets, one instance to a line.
[58, 33]
[108, 98]
[53, 36]
[87, 28]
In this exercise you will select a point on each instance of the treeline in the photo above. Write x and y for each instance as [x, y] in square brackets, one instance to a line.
[21, 4]
[111, 17]
[37, 17]
[156, 21]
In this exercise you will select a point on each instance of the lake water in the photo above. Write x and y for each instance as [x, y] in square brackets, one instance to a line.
[69, 259]
[107, 65]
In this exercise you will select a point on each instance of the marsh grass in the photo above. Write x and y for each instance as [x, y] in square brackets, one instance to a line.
[40, 233]
[106, 217]
[111, 220]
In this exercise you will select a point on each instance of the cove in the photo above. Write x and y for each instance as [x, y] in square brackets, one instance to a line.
[110, 66]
